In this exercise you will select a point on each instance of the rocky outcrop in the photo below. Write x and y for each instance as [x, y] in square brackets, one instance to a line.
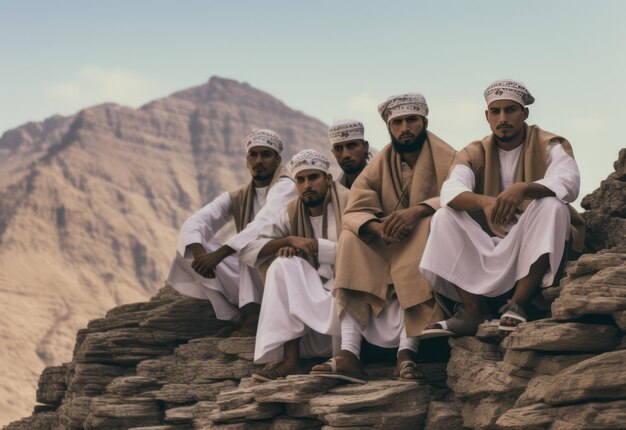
[156, 366]
[605, 213]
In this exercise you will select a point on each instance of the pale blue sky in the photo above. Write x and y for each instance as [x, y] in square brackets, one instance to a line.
[330, 59]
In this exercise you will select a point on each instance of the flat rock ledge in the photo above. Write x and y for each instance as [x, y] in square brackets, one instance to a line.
[157, 365]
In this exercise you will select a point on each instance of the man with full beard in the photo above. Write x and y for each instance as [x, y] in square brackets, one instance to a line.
[206, 269]
[506, 218]
[298, 317]
[380, 292]
[350, 149]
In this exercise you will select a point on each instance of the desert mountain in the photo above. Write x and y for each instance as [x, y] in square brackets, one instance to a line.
[91, 204]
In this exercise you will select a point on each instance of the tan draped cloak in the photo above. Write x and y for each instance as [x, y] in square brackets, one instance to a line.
[365, 262]
[482, 157]
[243, 199]
[300, 220]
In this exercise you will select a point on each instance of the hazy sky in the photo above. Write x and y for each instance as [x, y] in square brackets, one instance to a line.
[329, 59]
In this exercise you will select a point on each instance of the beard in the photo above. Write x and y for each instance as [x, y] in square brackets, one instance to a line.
[351, 170]
[412, 146]
[312, 203]
[262, 177]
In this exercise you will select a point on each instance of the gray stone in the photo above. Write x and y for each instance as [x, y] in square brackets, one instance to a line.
[182, 413]
[52, 386]
[242, 347]
[541, 363]
[44, 420]
[602, 292]
[409, 418]
[548, 335]
[443, 416]
[200, 349]
[283, 422]
[474, 369]
[293, 389]
[484, 412]
[185, 393]
[370, 395]
[129, 385]
[606, 415]
[600, 377]
[249, 411]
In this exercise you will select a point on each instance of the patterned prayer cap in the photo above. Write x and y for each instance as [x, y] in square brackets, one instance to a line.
[308, 159]
[265, 137]
[344, 130]
[404, 104]
[508, 89]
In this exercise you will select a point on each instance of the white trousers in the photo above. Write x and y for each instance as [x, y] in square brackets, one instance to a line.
[459, 252]
[234, 286]
[385, 330]
[296, 304]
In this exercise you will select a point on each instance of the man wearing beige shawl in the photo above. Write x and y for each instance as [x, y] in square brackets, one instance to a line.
[506, 218]
[298, 317]
[380, 293]
[350, 149]
[206, 269]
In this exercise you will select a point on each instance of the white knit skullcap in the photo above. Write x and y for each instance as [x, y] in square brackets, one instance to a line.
[508, 89]
[344, 130]
[308, 159]
[265, 137]
[404, 104]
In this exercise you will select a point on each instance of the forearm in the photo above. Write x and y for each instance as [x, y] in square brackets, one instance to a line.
[468, 201]
[196, 249]
[271, 247]
[222, 252]
[537, 191]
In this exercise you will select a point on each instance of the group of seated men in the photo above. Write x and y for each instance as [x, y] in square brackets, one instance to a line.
[381, 253]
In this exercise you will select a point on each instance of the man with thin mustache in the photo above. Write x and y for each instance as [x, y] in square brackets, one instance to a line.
[505, 216]
[298, 317]
[350, 149]
[214, 273]
[381, 295]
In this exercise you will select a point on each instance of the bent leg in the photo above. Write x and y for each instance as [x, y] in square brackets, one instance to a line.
[295, 304]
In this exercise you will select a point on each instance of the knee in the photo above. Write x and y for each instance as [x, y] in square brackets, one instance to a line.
[551, 206]
[443, 218]
[284, 263]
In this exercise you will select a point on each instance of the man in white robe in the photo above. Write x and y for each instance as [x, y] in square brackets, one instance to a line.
[298, 317]
[380, 293]
[350, 149]
[206, 269]
[505, 217]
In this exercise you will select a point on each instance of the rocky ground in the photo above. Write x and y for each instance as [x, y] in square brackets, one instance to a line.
[156, 365]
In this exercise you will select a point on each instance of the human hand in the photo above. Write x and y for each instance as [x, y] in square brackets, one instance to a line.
[507, 204]
[303, 245]
[204, 263]
[399, 224]
[286, 251]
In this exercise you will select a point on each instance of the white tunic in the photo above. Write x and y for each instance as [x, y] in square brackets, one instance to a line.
[459, 252]
[296, 304]
[235, 284]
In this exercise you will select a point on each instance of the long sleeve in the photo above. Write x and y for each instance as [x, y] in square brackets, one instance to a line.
[202, 226]
[461, 179]
[265, 232]
[326, 251]
[562, 175]
[281, 193]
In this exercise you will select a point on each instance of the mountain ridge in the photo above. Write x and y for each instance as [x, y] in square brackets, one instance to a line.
[92, 203]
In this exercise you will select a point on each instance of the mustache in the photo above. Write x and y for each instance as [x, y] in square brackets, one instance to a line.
[499, 126]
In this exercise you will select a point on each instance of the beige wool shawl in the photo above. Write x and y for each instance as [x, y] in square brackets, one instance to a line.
[300, 221]
[243, 199]
[378, 192]
[482, 157]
